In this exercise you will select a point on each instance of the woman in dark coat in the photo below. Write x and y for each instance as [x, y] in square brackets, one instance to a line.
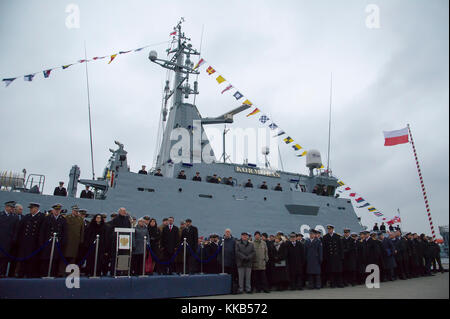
[280, 276]
[154, 235]
[96, 227]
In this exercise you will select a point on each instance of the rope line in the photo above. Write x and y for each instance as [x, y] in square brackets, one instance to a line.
[164, 262]
[210, 258]
[28, 257]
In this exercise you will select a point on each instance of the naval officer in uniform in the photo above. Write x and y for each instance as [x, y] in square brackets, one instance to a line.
[333, 257]
[8, 232]
[349, 266]
[53, 223]
[28, 241]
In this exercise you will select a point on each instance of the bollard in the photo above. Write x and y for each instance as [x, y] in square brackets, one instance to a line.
[51, 258]
[184, 256]
[201, 259]
[96, 256]
[223, 256]
[143, 262]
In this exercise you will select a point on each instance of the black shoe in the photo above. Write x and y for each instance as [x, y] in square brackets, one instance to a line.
[249, 292]
[267, 291]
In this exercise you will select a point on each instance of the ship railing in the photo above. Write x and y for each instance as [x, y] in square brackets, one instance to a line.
[35, 183]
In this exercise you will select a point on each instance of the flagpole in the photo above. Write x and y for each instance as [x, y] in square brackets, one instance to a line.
[401, 224]
[329, 123]
[89, 111]
[424, 193]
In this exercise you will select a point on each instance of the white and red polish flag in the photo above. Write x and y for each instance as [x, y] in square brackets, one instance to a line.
[396, 137]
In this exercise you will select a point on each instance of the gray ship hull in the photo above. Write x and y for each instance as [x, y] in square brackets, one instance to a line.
[212, 207]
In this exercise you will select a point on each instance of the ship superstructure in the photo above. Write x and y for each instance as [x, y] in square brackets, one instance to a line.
[212, 206]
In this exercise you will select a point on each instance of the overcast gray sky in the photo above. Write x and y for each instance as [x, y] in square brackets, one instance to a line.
[279, 53]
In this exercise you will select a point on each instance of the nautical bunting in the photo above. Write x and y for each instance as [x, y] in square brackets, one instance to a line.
[112, 58]
[237, 95]
[220, 79]
[359, 200]
[210, 70]
[47, 73]
[30, 77]
[199, 63]
[8, 81]
[253, 112]
[263, 119]
[296, 147]
[227, 88]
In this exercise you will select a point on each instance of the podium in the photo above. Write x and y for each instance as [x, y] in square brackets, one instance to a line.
[124, 245]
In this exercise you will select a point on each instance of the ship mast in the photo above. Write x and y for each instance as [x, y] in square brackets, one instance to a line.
[180, 63]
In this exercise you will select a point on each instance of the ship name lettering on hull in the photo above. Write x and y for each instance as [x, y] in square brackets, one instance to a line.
[256, 171]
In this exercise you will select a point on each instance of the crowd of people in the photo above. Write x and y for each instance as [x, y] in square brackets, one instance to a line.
[256, 263]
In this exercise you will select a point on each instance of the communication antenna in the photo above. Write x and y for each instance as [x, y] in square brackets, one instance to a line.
[89, 111]
[266, 151]
[224, 155]
[196, 78]
[329, 124]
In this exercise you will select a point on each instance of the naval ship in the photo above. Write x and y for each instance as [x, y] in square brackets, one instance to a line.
[211, 206]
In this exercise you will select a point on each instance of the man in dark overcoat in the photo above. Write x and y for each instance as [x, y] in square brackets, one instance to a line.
[8, 234]
[373, 250]
[169, 244]
[295, 262]
[28, 241]
[190, 232]
[387, 256]
[53, 223]
[349, 266]
[361, 257]
[333, 255]
[399, 252]
[314, 257]
[406, 252]
[412, 255]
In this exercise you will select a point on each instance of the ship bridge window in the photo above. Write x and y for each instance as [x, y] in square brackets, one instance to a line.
[142, 189]
[324, 190]
[296, 187]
